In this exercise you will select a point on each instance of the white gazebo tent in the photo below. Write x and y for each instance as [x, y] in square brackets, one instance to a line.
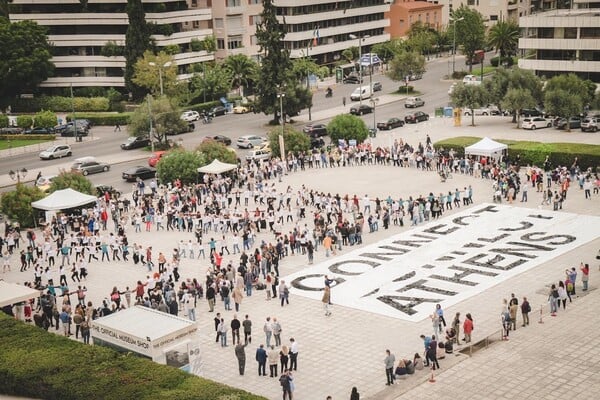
[12, 293]
[62, 200]
[164, 338]
[217, 167]
[488, 148]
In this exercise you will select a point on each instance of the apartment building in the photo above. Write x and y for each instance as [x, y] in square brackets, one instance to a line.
[79, 30]
[562, 41]
[234, 24]
[404, 13]
[491, 10]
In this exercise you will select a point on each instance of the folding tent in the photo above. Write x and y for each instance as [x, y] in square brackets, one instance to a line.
[487, 147]
[217, 167]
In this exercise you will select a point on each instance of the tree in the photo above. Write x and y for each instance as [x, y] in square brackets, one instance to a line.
[74, 181]
[406, 63]
[517, 100]
[5, 8]
[137, 41]
[297, 97]
[25, 55]
[514, 78]
[180, 164]
[562, 103]
[347, 127]
[111, 49]
[302, 67]
[469, 96]
[350, 54]
[470, 31]
[275, 60]
[214, 150]
[571, 84]
[504, 37]
[209, 44]
[294, 141]
[214, 82]
[16, 204]
[243, 71]
[45, 119]
[164, 114]
[149, 76]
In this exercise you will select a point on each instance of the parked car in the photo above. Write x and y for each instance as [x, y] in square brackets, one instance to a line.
[39, 131]
[12, 130]
[376, 87]
[102, 189]
[415, 77]
[315, 130]
[69, 131]
[534, 123]
[574, 123]
[249, 141]
[361, 109]
[451, 88]
[479, 111]
[412, 102]
[190, 116]
[471, 80]
[353, 78]
[44, 182]
[259, 154]
[361, 92]
[218, 110]
[56, 151]
[241, 109]
[189, 128]
[390, 124]
[135, 142]
[531, 112]
[590, 124]
[89, 165]
[218, 138]
[141, 172]
[415, 117]
[155, 157]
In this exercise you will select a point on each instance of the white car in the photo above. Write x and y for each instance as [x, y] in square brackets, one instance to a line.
[413, 102]
[44, 182]
[471, 80]
[190, 116]
[479, 111]
[260, 154]
[534, 123]
[249, 141]
[57, 151]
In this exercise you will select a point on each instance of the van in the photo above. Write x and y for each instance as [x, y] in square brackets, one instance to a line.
[363, 92]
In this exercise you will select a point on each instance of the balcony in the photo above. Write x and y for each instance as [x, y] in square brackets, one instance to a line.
[337, 30]
[82, 61]
[182, 37]
[84, 40]
[324, 16]
[84, 81]
[558, 44]
[193, 57]
[54, 19]
[559, 65]
[237, 10]
[193, 14]
[339, 46]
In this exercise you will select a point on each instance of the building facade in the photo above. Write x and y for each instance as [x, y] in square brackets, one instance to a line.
[404, 13]
[79, 32]
[491, 10]
[562, 41]
[234, 24]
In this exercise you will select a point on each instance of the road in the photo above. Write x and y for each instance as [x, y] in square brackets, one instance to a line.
[104, 143]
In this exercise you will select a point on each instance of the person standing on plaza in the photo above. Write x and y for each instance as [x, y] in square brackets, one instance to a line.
[293, 354]
[210, 297]
[240, 354]
[432, 353]
[273, 357]
[247, 324]
[440, 313]
[468, 327]
[553, 300]
[284, 357]
[389, 361]
[237, 296]
[223, 332]
[573, 278]
[235, 329]
[261, 358]
[506, 322]
[268, 330]
[585, 276]
[562, 295]
[285, 381]
[513, 308]
[325, 300]
[284, 293]
[354, 395]
[525, 310]
[456, 327]
[276, 328]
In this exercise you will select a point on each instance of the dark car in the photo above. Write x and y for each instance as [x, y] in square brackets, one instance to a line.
[189, 128]
[39, 131]
[139, 172]
[69, 131]
[316, 143]
[102, 189]
[415, 117]
[315, 130]
[218, 110]
[353, 79]
[390, 124]
[362, 109]
[531, 112]
[574, 123]
[13, 130]
[135, 142]
[219, 138]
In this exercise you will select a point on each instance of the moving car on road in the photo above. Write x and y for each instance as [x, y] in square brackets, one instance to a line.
[360, 110]
[240, 110]
[89, 165]
[413, 102]
[135, 142]
[141, 172]
[417, 116]
[155, 157]
[534, 123]
[56, 151]
[218, 110]
[218, 138]
[352, 78]
[249, 141]
[315, 130]
[190, 116]
[390, 124]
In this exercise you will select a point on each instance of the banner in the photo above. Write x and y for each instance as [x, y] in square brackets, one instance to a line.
[447, 260]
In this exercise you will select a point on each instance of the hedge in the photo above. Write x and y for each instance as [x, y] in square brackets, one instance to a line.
[38, 364]
[534, 153]
[27, 137]
[3, 121]
[200, 107]
[60, 104]
[104, 118]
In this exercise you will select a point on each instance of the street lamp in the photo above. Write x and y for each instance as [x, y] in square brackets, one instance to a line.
[18, 174]
[360, 40]
[454, 21]
[280, 96]
[373, 104]
[160, 70]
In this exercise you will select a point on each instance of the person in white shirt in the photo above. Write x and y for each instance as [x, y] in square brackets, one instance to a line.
[293, 354]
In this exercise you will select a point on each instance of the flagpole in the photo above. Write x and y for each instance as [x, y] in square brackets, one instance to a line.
[308, 83]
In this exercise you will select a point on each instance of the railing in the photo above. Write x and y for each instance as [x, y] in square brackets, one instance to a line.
[482, 344]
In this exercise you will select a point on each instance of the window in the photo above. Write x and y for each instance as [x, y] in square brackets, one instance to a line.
[570, 33]
[470, 2]
[254, 2]
[221, 44]
[234, 3]
[493, 18]
[234, 42]
[590, 33]
[255, 19]
[219, 23]
[546, 33]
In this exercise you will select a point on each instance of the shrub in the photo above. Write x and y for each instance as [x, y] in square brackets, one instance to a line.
[294, 141]
[38, 364]
[214, 150]
[196, 44]
[509, 61]
[16, 204]
[347, 127]
[180, 164]
[24, 121]
[111, 49]
[45, 119]
[534, 153]
[74, 181]
[60, 104]
[172, 49]
[108, 119]
[200, 107]
[403, 89]
[3, 121]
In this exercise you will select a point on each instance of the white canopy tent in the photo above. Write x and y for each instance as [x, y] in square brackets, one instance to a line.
[217, 167]
[12, 293]
[63, 199]
[487, 147]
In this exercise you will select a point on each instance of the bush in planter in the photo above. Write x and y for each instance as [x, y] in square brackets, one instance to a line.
[106, 119]
[24, 121]
[3, 121]
[45, 119]
[406, 89]
[500, 61]
[16, 204]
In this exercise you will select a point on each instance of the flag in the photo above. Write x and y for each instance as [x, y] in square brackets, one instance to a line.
[316, 36]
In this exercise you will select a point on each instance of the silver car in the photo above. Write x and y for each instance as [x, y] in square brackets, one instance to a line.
[89, 166]
[249, 141]
[57, 151]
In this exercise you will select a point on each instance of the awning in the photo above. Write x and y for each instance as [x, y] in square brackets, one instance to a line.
[12, 293]
[63, 200]
[217, 167]
[486, 147]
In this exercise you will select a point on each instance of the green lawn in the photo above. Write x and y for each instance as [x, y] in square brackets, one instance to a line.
[11, 144]
[486, 70]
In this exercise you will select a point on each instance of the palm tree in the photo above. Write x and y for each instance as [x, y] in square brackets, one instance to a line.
[243, 71]
[504, 37]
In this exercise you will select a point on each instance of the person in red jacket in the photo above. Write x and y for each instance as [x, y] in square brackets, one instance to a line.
[468, 327]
